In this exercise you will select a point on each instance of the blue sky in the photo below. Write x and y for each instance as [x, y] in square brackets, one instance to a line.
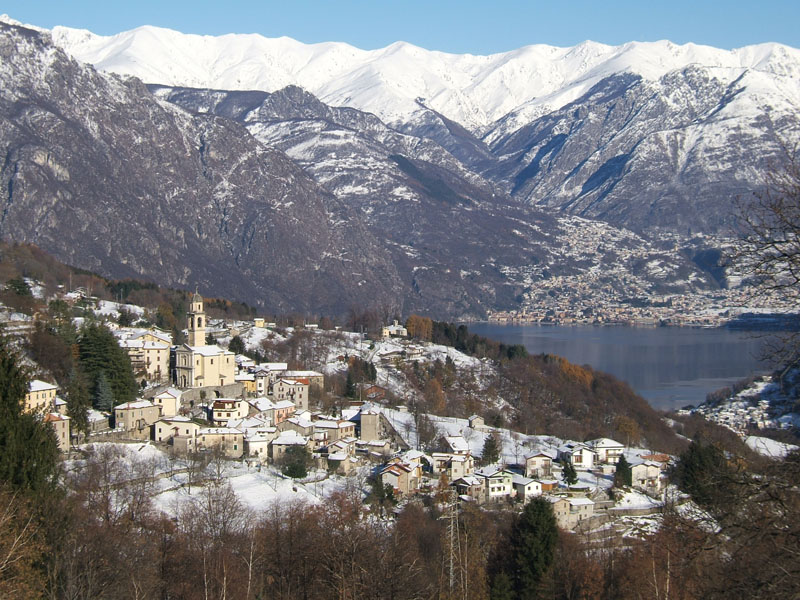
[465, 26]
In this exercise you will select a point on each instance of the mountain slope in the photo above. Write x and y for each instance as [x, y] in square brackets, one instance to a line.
[103, 175]
[642, 135]
[331, 209]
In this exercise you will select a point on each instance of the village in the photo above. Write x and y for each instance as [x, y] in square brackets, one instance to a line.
[200, 401]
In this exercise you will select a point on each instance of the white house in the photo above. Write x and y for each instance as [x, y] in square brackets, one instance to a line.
[580, 455]
[608, 451]
[525, 488]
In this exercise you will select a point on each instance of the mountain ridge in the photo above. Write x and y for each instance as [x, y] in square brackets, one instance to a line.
[462, 87]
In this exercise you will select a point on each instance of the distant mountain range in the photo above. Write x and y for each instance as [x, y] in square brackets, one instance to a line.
[319, 178]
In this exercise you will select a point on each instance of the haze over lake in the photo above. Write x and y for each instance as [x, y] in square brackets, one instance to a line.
[669, 366]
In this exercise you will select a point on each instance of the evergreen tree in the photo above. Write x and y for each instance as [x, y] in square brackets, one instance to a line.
[78, 402]
[103, 396]
[501, 587]
[703, 473]
[99, 352]
[568, 473]
[236, 345]
[28, 448]
[533, 543]
[491, 450]
[623, 474]
[296, 461]
[19, 286]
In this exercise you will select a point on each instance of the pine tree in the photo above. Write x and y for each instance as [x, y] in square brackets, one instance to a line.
[501, 587]
[78, 402]
[533, 542]
[99, 352]
[103, 397]
[236, 345]
[623, 474]
[28, 448]
[568, 473]
[491, 450]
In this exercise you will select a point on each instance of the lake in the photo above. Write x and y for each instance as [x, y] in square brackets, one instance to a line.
[669, 366]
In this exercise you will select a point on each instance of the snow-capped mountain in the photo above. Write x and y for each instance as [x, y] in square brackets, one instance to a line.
[642, 135]
[392, 82]
[277, 199]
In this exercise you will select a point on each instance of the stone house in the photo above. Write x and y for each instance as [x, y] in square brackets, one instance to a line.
[646, 476]
[294, 390]
[404, 477]
[284, 441]
[228, 440]
[453, 465]
[571, 511]
[135, 418]
[393, 330]
[470, 487]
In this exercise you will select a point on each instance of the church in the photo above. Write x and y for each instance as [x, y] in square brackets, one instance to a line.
[196, 363]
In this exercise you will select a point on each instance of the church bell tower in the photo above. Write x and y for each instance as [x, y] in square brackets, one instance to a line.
[196, 321]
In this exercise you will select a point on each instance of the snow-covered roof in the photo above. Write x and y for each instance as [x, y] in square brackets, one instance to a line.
[49, 417]
[470, 480]
[518, 479]
[134, 405]
[212, 350]
[261, 404]
[580, 501]
[175, 419]
[302, 374]
[170, 391]
[457, 443]
[37, 385]
[290, 437]
[219, 431]
[604, 443]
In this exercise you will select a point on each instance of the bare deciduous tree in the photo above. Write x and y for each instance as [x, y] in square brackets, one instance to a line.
[769, 249]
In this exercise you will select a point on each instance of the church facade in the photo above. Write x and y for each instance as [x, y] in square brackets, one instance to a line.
[197, 364]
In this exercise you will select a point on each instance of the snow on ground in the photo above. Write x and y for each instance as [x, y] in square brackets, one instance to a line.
[256, 486]
[105, 308]
[768, 447]
[636, 500]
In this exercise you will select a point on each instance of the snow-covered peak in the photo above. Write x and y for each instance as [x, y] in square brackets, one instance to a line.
[393, 81]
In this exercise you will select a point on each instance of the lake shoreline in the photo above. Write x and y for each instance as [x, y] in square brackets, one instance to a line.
[671, 367]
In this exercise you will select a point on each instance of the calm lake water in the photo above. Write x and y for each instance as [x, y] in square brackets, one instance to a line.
[669, 366]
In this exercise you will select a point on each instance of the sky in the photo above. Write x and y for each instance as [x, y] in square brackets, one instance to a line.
[468, 26]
